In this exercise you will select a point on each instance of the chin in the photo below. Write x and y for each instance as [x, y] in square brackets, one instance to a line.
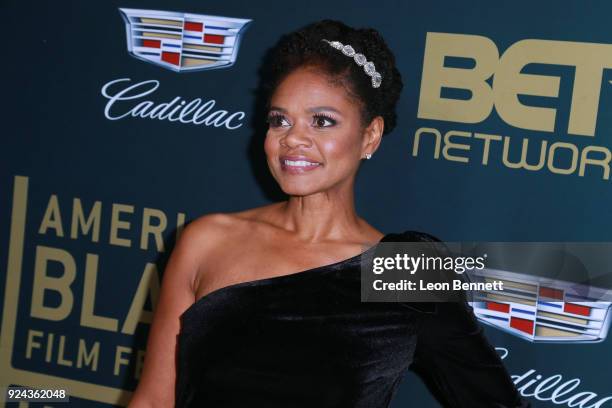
[296, 189]
[299, 184]
[308, 184]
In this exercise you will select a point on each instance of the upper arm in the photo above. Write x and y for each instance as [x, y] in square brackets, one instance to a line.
[157, 381]
[458, 364]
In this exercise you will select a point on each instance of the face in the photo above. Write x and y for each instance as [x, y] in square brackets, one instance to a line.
[316, 139]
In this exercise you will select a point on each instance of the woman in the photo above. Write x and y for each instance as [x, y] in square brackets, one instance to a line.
[277, 319]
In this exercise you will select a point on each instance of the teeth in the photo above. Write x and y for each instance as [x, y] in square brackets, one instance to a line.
[300, 163]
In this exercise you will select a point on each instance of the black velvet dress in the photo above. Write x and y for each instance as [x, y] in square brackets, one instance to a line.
[306, 340]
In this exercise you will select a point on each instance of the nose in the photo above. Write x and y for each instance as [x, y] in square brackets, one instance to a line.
[296, 137]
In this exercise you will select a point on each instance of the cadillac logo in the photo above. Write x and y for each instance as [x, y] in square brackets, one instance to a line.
[183, 41]
[543, 310]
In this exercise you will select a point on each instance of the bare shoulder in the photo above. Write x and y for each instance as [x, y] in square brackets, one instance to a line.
[216, 230]
[210, 233]
[204, 226]
[196, 240]
[223, 223]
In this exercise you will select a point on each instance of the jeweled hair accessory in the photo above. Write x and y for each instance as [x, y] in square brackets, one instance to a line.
[360, 59]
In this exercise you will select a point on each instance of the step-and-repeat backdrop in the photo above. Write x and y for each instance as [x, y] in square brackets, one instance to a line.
[123, 121]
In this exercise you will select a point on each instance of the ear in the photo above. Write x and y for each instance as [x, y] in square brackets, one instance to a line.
[372, 135]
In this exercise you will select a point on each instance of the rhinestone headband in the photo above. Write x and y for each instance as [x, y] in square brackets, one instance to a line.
[360, 59]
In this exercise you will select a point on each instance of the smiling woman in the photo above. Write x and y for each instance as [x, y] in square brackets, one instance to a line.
[262, 308]
[319, 134]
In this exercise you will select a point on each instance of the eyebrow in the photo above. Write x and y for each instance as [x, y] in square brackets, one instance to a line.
[315, 109]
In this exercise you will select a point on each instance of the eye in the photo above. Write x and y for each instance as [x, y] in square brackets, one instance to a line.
[277, 120]
[322, 120]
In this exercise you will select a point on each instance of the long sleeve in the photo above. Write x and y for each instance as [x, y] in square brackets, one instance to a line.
[457, 363]
[454, 358]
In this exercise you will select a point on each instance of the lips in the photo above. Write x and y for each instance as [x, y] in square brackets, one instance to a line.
[298, 164]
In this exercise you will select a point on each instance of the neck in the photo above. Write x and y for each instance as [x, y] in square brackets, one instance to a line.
[328, 215]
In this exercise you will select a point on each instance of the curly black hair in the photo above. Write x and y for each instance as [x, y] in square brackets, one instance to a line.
[305, 47]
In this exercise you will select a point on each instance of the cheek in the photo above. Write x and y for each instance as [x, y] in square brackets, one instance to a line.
[341, 150]
[270, 145]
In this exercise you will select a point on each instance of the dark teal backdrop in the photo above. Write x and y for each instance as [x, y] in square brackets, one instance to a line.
[59, 55]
